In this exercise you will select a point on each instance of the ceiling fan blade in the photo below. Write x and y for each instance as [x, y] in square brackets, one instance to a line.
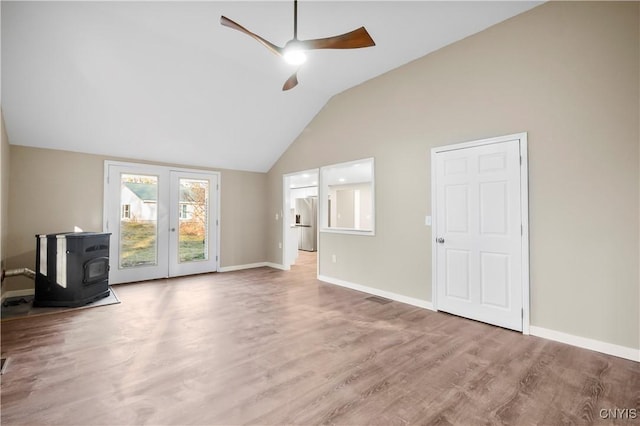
[231, 24]
[351, 40]
[291, 82]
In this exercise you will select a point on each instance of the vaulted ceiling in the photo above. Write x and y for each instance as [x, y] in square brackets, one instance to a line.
[164, 81]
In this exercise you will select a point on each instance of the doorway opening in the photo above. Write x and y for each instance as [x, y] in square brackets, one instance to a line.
[300, 218]
[306, 261]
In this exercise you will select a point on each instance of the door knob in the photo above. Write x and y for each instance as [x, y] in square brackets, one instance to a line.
[173, 229]
[440, 240]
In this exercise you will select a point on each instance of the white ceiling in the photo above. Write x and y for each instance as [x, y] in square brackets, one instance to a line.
[164, 81]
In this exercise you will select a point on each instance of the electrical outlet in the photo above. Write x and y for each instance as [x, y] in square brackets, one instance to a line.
[279, 245]
[334, 259]
[427, 220]
[277, 216]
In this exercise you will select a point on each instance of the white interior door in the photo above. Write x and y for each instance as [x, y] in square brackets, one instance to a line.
[478, 231]
[163, 222]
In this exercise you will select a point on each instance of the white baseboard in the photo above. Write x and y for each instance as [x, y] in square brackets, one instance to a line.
[241, 267]
[377, 292]
[252, 265]
[17, 293]
[585, 343]
[277, 266]
[581, 342]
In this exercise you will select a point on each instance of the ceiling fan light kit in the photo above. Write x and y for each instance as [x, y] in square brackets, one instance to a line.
[294, 52]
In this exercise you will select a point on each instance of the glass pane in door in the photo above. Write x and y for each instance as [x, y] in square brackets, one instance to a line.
[138, 220]
[193, 214]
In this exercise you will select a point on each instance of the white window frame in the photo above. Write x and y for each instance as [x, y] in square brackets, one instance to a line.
[323, 195]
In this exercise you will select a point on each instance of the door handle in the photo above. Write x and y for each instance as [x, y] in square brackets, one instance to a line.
[440, 240]
[173, 229]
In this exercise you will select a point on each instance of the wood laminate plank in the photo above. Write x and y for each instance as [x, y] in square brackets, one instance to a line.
[263, 346]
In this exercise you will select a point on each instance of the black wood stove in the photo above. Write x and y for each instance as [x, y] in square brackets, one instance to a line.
[72, 268]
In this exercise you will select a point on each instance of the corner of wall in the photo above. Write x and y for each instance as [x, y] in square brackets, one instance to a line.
[4, 195]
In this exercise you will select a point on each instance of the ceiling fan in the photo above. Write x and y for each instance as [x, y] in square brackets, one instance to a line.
[293, 51]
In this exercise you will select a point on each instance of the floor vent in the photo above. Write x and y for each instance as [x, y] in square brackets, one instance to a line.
[378, 299]
[3, 364]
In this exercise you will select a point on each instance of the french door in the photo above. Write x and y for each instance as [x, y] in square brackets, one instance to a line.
[163, 221]
[480, 247]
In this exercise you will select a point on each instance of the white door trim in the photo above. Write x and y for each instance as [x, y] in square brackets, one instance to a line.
[524, 208]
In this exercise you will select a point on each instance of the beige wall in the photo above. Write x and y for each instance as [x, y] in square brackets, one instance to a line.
[243, 222]
[53, 191]
[566, 73]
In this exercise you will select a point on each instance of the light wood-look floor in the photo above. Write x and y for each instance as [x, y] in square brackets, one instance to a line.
[264, 346]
